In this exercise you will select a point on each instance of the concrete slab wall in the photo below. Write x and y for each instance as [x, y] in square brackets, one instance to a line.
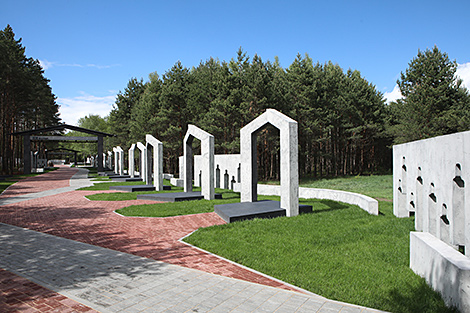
[430, 180]
[445, 269]
[364, 202]
[227, 169]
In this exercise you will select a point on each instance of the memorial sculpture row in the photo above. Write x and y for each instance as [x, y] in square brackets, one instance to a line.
[226, 170]
[152, 153]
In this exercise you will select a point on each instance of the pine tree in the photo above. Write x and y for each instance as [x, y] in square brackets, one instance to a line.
[120, 115]
[434, 102]
[26, 99]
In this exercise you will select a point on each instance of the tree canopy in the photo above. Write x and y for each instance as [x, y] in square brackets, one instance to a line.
[26, 99]
[93, 122]
[341, 116]
[345, 127]
[434, 101]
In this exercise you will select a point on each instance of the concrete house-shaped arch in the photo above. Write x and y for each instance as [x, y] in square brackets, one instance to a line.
[118, 160]
[157, 146]
[131, 169]
[207, 154]
[143, 161]
[289, 159]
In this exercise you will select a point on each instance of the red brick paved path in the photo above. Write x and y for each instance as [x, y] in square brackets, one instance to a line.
[20, 295]
[71, 215]
[47, 181]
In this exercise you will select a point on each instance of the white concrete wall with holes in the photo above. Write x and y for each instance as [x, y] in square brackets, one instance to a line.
[431, 181]
[227, 169]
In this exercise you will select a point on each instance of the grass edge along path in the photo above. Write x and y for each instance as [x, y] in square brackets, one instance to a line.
[340, 252]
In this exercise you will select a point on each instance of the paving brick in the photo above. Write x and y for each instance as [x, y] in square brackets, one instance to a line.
[19, 294]
[116, 282]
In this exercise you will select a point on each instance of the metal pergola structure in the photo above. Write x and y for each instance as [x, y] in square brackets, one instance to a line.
[29, 135]
[62, 151]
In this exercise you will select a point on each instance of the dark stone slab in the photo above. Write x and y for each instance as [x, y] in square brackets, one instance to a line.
[134, 188]
[175, 196]
[233, 212]
[118, 176]
[125, 179]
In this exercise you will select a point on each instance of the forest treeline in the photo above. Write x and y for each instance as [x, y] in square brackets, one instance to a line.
[26, 99]
[345, 126]
[341, 116]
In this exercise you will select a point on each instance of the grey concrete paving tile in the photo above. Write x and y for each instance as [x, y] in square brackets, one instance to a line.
[269, 306]
[138, 307]
[348, 309]
[239, 310]
[84, 272]
[328, 310]
[154, 310]
[122, 305]
[201, 308]
[288, 307]
[182, 307]
[330, 305]
[311, 305]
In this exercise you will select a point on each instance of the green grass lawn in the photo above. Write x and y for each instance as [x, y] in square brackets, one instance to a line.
[339, 251]
[180, 208]
[106, 185]
[375, 186]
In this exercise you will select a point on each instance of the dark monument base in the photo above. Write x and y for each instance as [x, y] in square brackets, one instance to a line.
[125, 179]
[118, 176]
[175, 196]
[134, 188]
[232, 212]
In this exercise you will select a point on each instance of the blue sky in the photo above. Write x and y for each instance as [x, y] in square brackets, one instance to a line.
[90, 49]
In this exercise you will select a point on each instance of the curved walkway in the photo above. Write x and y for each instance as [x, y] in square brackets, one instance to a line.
[131, 279]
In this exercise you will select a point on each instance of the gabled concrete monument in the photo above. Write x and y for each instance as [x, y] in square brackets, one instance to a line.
[289, 159]
[131, 169]
[143, 161]
[207, 173]
[207, 154]
[118, 160]
[249, 208]
[157, 146]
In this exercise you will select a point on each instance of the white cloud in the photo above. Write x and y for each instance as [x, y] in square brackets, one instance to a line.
[71, 109]
[47, 65]
[463, 71]
[393, 95]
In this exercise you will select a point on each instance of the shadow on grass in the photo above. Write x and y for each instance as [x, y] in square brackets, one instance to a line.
[325, 205]
[421, 298]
